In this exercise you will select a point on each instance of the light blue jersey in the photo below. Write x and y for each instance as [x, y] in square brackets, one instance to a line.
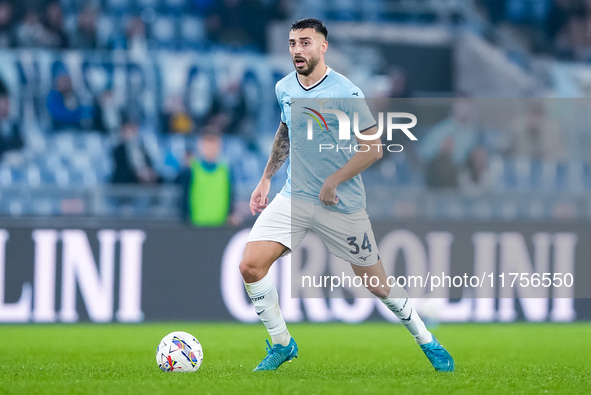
[312, 132]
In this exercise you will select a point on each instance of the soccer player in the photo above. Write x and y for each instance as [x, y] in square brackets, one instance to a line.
[316, 205]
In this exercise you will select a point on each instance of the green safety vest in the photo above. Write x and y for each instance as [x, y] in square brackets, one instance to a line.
[209, 195]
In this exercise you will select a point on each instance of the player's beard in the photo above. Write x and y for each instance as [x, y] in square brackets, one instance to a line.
[311, 63]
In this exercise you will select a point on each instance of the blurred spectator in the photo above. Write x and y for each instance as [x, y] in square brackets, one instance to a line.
[7, 34]
[54, 25]
[30, 32]
[175, 118]
[107, 112]
[10, 133]
[229, 108]
[475, 177]
[238, 23]
[558, 26]
[559, 15]
[201, 7]
[279, 9]
[579, 147]
[399, 87]
[207, 182]
[495, 9]
[534, 135]
[572, 41]
[85, 35]
[460, 128]
[441, 171]
[132, 162]
[136, 37]
[64, 106]
[526, 12]
[183, 178]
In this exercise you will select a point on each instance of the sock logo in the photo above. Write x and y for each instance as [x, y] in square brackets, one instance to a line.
[258, 298]
[260, 312]
[407, 318]
[398, 310]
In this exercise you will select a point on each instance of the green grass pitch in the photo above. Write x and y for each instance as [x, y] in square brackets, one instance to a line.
[369, 358]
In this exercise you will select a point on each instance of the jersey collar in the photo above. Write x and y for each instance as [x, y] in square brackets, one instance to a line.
[328, 69]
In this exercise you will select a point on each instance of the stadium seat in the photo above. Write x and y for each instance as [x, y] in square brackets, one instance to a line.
[36, 142]
[178, 146]
[543, 176]
[48, 177]
[372, 177]
[82, 178]
[5, 176]
[587, 177]
[448, 207]
[62, 144]
[18, 176]
[570, 176]
[173, 6]
[103, 167]
[163, 31]
[106, 30]
[373, 10]
[70, 7]
[517, 174]
[33, 175]
[52, 160]
[70, 22]
[311, 9]
[117, 7]
[139, 5]
[44, 207]
[192, 31]
[532, 208]
[481, 209]
[496, 167]
[527, 11]
[233, 147]
[95, 144]
[16, 207]
[343, 10]
[80, 161]
[62, 177]
[398, 171]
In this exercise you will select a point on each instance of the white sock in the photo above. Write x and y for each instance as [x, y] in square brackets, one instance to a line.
[266, 304]
[402, 307]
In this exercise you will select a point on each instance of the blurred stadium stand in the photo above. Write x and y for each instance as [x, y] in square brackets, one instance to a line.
[442, 48]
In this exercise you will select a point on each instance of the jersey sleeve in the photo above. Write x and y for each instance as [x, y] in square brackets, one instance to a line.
[355, 103]
[278, 95]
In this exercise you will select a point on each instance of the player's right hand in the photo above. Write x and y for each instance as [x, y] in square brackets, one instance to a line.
[259, 198]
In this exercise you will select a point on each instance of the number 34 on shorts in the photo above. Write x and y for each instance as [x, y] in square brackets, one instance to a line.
[361, 249]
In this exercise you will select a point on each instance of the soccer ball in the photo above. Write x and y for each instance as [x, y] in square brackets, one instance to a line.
[179, 352]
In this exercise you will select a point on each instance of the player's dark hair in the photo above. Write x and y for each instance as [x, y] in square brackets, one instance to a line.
[311, 23]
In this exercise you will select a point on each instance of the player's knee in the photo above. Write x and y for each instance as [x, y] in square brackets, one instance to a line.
[380, 292]
[251, 272]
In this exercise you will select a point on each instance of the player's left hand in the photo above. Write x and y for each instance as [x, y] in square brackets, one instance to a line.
[328, 194]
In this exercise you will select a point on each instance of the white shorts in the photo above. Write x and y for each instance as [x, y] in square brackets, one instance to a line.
[348, 236]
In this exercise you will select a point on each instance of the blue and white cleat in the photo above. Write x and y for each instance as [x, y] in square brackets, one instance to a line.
[438, 356]
[278, 354]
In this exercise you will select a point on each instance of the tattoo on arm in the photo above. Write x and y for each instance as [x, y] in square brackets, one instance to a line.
[280, 151]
